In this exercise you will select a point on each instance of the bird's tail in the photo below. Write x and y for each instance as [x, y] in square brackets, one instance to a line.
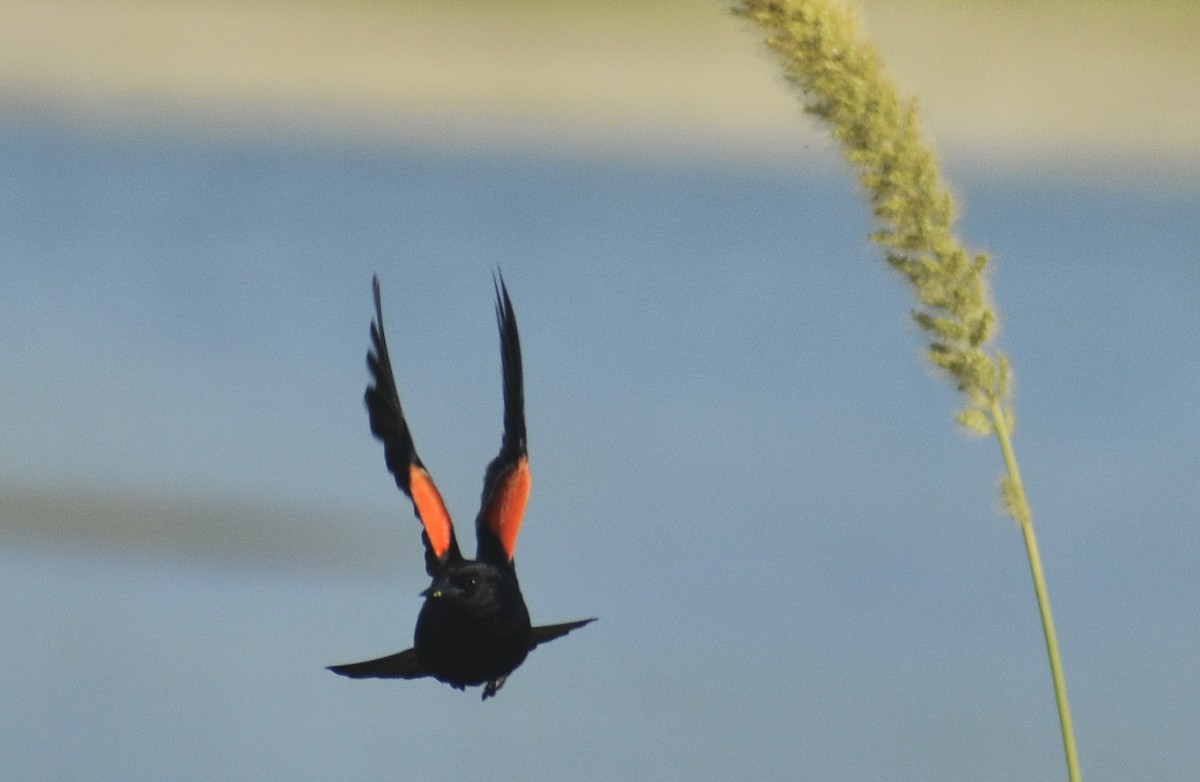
[401, 665]
[547, 633]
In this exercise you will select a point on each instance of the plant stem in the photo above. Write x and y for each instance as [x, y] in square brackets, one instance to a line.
[1020, 510]
[843, 81]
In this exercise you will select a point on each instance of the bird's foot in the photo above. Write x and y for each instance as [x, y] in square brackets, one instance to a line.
[493, 686]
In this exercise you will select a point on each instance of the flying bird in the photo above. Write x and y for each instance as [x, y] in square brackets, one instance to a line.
[474, 628]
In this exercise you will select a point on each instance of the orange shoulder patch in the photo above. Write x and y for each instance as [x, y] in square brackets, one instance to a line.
[506, 507]
[431, 510]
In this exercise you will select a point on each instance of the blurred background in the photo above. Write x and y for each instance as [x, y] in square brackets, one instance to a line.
[741, 463]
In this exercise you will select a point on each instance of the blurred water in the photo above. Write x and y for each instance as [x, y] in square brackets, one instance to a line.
[741, 466]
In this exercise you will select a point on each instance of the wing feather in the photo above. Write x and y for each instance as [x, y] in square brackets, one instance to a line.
[388, 424]
[507, 481]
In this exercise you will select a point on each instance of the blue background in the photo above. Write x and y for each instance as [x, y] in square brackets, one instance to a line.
[742, 465]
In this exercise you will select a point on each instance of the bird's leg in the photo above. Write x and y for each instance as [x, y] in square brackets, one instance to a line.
[493, 686]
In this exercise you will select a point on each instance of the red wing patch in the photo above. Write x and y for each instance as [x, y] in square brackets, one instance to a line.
[506, 507]
[431, 510]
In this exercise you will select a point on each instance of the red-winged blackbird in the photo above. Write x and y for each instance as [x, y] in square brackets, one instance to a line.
[474, 627]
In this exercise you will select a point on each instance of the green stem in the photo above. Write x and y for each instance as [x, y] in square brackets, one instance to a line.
[1020, 510]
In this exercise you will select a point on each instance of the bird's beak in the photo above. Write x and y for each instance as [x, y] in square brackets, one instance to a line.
[436, 589]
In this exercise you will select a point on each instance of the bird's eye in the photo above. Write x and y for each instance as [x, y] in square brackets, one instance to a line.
[467, 583]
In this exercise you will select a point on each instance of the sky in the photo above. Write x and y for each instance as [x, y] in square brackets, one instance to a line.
[741, 464]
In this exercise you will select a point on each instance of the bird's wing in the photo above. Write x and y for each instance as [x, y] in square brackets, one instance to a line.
[547, 633]
[388, 424]
[507, 480]
[401, 665]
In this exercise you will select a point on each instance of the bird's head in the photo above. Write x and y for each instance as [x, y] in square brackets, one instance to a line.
[472, 583]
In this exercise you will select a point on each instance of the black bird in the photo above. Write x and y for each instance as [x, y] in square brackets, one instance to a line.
[474, 627]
